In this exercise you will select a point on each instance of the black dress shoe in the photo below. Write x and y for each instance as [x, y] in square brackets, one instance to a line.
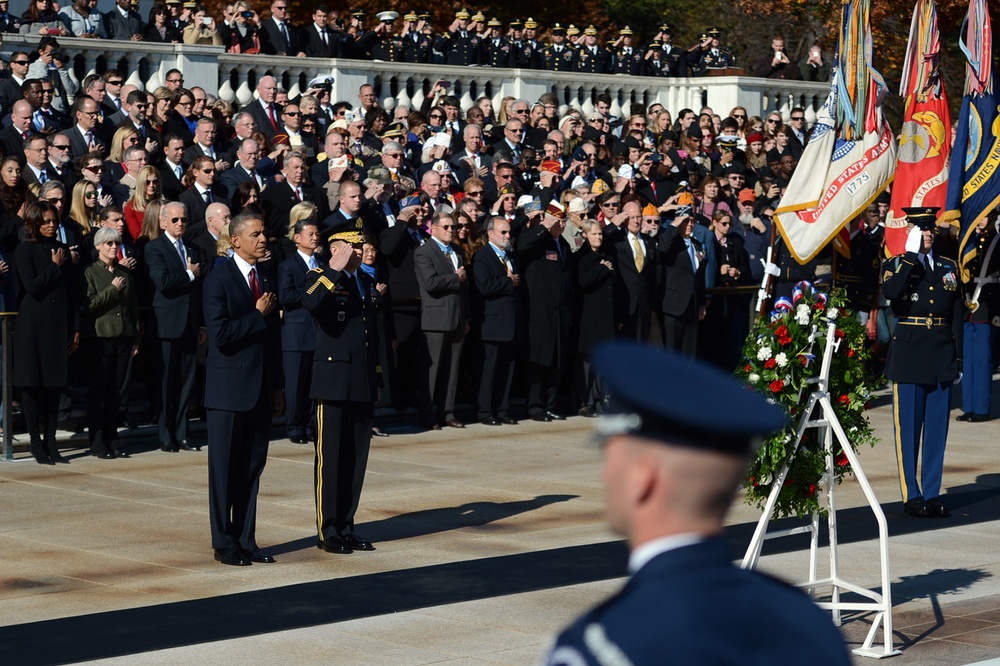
[490, 421]
[233, 556]
[978, 418]
[586, 411]
[917, 508]
[168, 447]
[183, 444]
[256, 555]
[43, 459]
[936, 508]
[555, 417]
[334, 545]
[299, 440]
[506, 420]
[354, 542]
[964, 417]
[377, 432]
[543, 417]
[103, 455]
[454, 423]
[122, 453]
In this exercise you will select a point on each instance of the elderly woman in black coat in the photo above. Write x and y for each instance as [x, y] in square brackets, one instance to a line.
[596, 314]
[47, 327]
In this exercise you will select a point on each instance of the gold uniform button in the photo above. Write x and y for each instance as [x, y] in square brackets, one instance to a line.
[932, 301]
[932, 288]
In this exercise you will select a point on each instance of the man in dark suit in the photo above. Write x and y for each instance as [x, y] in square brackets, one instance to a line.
[36, 160]
[320, 41]
[266, 114]
[298, 336]
[243, 389]
[633, 256]
[471, 161]
[278, 35]
[60, 165]
[500, 318]
[670, 475]
[206, 240]
[203, 191]
[346, 379]
[545, 257]
[12, 137]
[176, 321]
[123, 23]
[171, 170]
[278, 199]
[245, 169]
[444, 313]
[682, 279]
[83, 136]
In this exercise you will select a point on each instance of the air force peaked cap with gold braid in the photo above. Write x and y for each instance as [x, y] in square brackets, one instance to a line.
[666, 397]
[349, 231]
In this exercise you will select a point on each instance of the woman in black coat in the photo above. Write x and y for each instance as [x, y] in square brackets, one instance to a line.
[596, 313]
[46, 329]
[727, 319]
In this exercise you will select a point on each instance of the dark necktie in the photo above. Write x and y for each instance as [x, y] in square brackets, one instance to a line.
[255, 289]
[274, 119]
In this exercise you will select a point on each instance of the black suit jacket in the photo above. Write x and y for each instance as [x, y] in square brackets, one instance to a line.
[548, 274]
[262, 119]
[236, 176]
[12, 142]
[682, 287]
[634, 290]
[78, 145]
[176, 298]
[244, 347]
[196, 207]
[272, 42]
[206, 244]
[398, 246]
[314, 45]
[499, 311]
[277, 202]
[297, 330]
[170, 185]
[121, 27]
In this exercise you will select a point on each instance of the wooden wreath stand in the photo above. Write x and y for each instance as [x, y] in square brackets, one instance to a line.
[826, 421]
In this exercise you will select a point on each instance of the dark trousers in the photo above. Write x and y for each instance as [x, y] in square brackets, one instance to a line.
[40, 405]
[681, 333]
[916, 408]
[635, 326]
[444, 351]
[343, 439]
[298, 405]
[176, 368]
[543, 384]
[109, 361]
[237, 452]
[588, 385]
[406, 358]
[496, 380]
[977, 368]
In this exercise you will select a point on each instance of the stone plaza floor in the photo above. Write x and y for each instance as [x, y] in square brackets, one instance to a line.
[489, 540]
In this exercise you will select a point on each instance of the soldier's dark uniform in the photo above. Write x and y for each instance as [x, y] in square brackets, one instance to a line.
[389, 48]
[628, 60]
[558, 57]
[497, 51]
[859, 274]
[655, 66]
[416, 48]
[460, 47]
[346, 377]
[674, 60]
[592, 60]
[979, 332]
[922, 364]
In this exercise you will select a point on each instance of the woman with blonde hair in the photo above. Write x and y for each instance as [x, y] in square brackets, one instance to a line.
[305, 210]
[503, 114]
[147, 189]
[125, 137]
[83, 206]
[162, 98]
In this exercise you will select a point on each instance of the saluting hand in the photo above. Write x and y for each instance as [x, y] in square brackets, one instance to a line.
[340, 255]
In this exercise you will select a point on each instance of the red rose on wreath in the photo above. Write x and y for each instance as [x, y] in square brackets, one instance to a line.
[850, 353]
[804, 359]
[770, 363]
[785, 341]
[747, 368]
[776, 385]
[812, 490]
[781, 331]
[844, 399]
[841, 460]
[839, 334]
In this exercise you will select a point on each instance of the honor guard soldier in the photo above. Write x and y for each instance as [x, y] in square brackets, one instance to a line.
[573, 36]
[653, 63]
[389, 47]
[416, 45]
[859, 274]
[459, 45]
[628, 59]
[557, 56]
[674, 59]
[345, 383]
[497, 49]
[717, 57]
[529, 38]
[923, 359]
[591, 57]
[670, 476]
[982, 300]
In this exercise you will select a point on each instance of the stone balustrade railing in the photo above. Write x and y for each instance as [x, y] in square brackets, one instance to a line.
[233, 78]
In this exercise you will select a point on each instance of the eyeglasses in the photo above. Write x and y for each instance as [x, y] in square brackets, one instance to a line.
[723, 224]
[798, 117]
[446, 227]
[281, 8]
[133, 139]
[175, 80]
[477, 193]
[175, 220]
[772, 121]
[521, 112]
[463, 226]
[516, 131]
[739, 116]
[152, 182]
[94, 169]
[436, 116]
[90, 195]
[609, 204]
[112, 243]
[46, 91]
[293, 114]
[187, 103]
[114, 83]
[393, 155]
[92, 114]
[208, 170]
[60, 146]
[19, 62]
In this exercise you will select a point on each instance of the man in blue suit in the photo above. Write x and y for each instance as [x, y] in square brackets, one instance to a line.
[670, 476]
[243, 389]
[298, 335]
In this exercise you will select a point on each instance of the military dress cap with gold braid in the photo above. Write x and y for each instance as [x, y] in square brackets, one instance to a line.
[462, 14]
[349, 231]
[424, 16]
[516, 24]
[572, 30]
[591, 30]
[530, 23]
[359, 14]
[714, 32]
[479, 17]
[411, 16]
[625, 32]
[494, 23]
[666, 27]
[558, 29]
[924, 217]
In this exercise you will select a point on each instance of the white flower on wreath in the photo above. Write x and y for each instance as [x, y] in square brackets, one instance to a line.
[754, 378]
[781, 359]
[763, 353]
[802, 314]
[832, 313]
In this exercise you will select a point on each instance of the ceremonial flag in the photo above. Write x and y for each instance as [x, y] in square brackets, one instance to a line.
[922, 171]
[974, 185]
[851, 155]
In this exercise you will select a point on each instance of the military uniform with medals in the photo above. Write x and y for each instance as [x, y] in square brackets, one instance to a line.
[982, 300]
[558, 57]
[628, 59]
[592, 60]
[345, 382]
[922, 364]
[498, 51]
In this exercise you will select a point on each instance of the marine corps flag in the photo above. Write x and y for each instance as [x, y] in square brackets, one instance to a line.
[851, 156]
[974, 185]
[922, 171]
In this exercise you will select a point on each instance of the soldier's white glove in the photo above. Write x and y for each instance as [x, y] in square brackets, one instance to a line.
[770, 268]
[914, 239]
[959, 380]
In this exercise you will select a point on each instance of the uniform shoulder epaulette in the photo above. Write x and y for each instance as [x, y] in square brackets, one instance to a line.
[320, 279]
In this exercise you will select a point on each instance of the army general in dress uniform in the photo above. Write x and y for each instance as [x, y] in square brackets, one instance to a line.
[923, 359]
[558, 56]
[670, 475]
[982, 291]
[345, 383]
